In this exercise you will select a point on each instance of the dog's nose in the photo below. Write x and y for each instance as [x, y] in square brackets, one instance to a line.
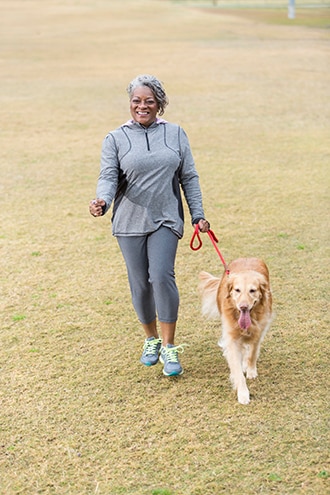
[243, 307]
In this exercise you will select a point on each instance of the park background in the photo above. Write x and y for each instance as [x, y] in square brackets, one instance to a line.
[79, 414]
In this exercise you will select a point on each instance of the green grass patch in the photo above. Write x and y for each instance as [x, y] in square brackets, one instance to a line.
[19, 317]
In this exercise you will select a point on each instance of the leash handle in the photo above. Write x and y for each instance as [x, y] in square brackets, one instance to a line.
[194, 236]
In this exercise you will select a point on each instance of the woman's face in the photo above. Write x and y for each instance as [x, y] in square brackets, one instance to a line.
[143, 106]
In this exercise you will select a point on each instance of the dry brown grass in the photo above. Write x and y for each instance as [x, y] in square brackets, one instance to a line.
[79, 414]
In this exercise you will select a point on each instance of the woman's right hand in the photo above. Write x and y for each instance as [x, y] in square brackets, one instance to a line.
[96, 207]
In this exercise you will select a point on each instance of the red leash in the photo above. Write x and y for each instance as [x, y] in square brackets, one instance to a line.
[214, 240]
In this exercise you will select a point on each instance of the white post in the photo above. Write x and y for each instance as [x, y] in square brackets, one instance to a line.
[291, 9]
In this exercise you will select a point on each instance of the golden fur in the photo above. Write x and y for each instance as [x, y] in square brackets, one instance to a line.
[243, 300]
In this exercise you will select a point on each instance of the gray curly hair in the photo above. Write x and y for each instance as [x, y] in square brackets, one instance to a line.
[156, 87]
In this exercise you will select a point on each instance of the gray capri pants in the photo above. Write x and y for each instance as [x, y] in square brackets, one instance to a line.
[150, 261]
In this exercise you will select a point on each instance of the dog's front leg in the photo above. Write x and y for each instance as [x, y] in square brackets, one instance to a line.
[251, 370]
[233, 354]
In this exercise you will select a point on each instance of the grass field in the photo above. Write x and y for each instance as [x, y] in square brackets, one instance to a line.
[79, 414]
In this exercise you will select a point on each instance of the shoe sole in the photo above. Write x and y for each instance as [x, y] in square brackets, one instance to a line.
[173, 373]
[149, 364]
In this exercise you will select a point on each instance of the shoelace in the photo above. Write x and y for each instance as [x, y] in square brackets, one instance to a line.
[150, 346]
[172, 353]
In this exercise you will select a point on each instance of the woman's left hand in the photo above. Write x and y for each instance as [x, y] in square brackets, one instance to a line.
[203, 225]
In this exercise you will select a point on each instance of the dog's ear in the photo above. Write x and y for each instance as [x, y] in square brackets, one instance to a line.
[264, 286]
[229, 286]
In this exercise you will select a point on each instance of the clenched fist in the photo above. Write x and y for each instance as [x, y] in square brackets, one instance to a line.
[97, 207]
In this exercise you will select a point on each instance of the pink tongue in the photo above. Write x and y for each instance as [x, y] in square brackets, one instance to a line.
[244, 319]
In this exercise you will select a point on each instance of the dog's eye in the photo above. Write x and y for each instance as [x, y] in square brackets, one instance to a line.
[237, 290]
[252, 291]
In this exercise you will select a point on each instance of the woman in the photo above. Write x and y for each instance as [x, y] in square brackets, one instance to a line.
[143, 164]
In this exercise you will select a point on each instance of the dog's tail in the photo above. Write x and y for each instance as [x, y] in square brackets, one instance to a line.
[208, 288]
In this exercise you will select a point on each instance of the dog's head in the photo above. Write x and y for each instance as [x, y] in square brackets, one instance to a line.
[246, 290]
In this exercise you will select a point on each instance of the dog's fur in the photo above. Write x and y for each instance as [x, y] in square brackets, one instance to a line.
[243, 300]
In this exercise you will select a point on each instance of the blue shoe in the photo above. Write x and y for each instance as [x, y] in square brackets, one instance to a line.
[151, 349]
[169, 358]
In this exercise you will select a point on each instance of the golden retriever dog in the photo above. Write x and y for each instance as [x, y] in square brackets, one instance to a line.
[243, 300]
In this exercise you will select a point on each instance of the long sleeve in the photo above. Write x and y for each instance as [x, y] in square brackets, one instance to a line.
[109, 170]
[189, 179]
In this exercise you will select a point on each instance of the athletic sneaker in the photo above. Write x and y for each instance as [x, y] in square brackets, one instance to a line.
[169, 358]
[151, 349]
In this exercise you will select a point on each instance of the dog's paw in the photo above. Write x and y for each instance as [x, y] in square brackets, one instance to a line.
[251, 373]
[243, 396]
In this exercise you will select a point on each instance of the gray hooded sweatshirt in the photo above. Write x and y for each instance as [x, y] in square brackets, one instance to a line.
[142, 169]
